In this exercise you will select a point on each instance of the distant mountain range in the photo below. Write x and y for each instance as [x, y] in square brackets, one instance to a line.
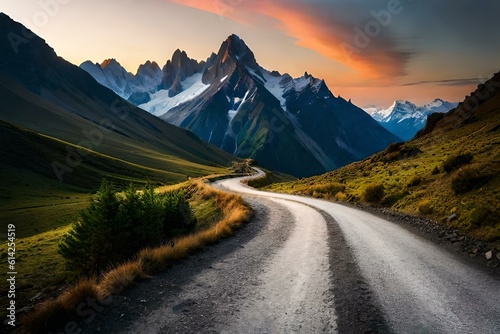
[65, 125]
[294, 125]
[405, 119]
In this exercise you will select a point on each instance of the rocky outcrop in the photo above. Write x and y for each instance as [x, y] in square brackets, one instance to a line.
[177, 70]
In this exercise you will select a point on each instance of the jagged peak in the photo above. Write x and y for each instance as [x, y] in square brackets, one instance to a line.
[234, 37]
[148, 66]
[150, 63]
[109, 62]
[237, 49]
[179, 53]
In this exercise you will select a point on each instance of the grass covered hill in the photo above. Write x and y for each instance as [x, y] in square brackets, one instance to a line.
[449, 173]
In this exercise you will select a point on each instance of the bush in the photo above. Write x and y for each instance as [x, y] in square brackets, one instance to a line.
[456, 161]
[325, 189]
[468, 179]
[114, 227]
[482, 216]
[415, 181]
[374, 193]
[424, 207]
[392, 199]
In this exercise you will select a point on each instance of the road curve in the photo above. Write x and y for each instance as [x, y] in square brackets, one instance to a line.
[294, 291]
[273, 276]
[420, 287]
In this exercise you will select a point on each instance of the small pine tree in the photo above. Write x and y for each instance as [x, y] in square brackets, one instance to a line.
[89, 244]
[114, 227]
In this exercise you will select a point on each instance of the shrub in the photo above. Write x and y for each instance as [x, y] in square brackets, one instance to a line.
[341, 196]
[482, 216]
[424, 207]
[374, 193]
[456, 161]
[415, 181]
[114, 227]
[468, 179]
[326, 189]
[393, 147]
[394, 198]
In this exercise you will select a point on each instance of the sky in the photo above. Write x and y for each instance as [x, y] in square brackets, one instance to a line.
[370, 51]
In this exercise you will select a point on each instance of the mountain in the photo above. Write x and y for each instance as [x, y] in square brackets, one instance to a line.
[449, 172]
[44, 94]
[296, 126]
[112, 75]
[405, 119]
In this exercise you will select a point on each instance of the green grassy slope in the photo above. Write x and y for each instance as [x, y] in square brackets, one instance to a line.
[414, 180]
[29, 182]
[165, 147]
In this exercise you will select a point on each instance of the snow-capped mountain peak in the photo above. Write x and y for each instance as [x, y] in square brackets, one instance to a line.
[405, 119]
[295, 125]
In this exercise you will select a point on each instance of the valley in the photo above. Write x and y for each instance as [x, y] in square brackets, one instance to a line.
[220, 195]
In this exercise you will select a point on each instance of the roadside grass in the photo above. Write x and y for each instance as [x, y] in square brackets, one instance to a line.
[415, 182]
[269, 178]
[56, 312]
[231, 212]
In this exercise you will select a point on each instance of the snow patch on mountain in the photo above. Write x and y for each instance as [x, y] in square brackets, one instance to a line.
[161, 103]
[238, 102]
[274, 84]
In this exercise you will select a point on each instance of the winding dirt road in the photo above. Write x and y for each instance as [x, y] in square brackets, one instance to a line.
[304, 265]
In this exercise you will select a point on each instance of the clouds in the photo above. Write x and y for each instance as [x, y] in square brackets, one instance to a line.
[335, 29]
[378, 39]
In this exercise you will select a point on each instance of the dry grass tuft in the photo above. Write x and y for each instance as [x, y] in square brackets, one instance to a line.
[71, 298]
[114, 281]
[53, 313]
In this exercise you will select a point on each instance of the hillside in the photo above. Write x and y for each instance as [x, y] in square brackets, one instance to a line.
[450, 173]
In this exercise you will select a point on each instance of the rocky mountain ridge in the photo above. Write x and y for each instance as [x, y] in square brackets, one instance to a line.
[294, 125]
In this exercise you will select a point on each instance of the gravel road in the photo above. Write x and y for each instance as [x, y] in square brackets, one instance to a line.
[309, 266]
